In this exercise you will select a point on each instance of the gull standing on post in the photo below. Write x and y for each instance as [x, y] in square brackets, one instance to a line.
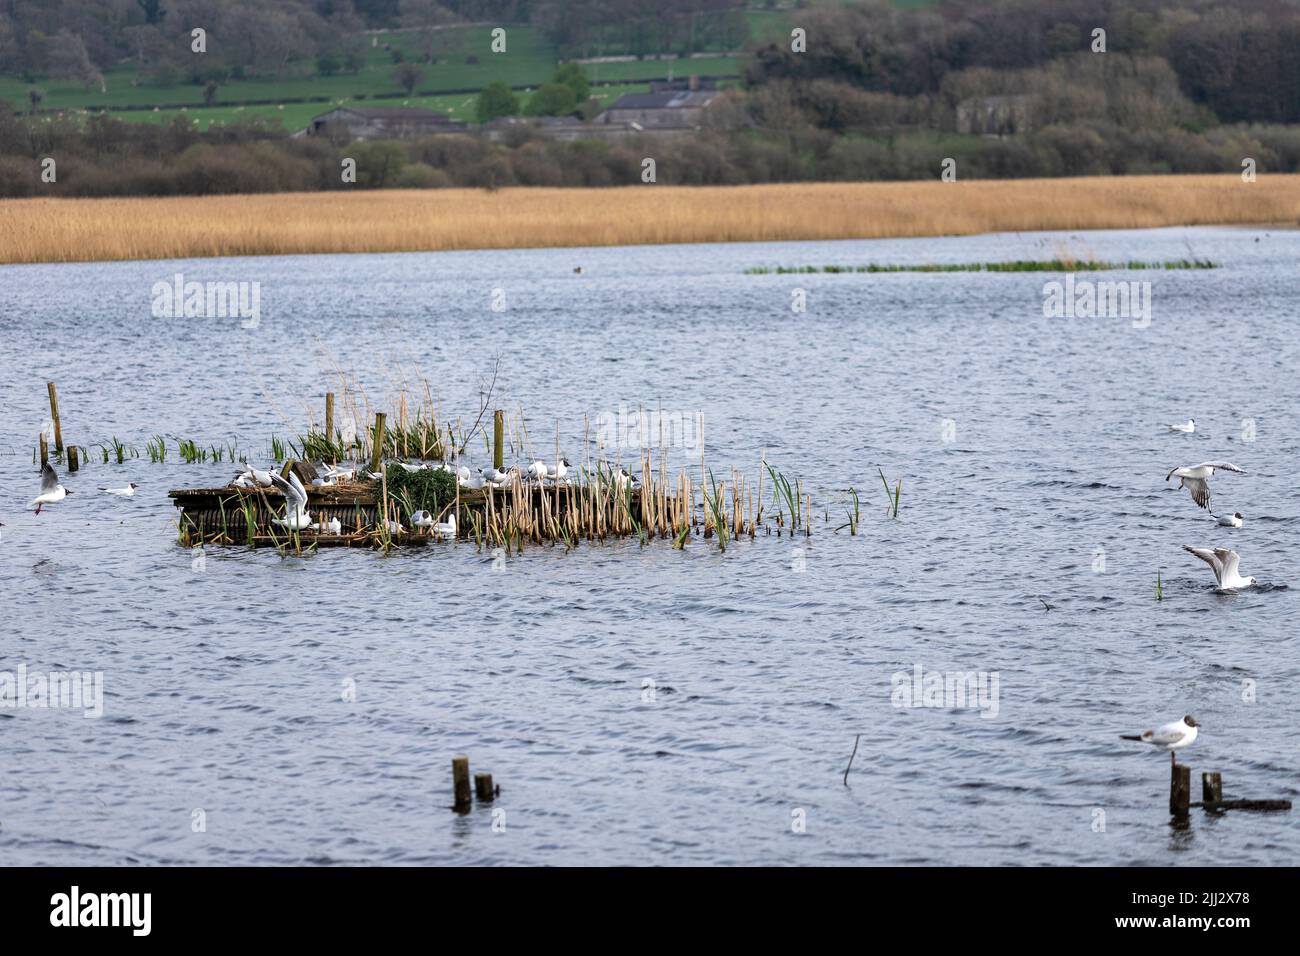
[1172, 736]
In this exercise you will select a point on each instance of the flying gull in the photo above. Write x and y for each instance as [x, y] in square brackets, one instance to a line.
[1195, 478]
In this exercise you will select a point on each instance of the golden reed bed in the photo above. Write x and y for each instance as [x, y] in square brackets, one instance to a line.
[66, 230]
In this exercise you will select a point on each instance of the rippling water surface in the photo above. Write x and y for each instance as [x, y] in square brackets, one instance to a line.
[223, 685]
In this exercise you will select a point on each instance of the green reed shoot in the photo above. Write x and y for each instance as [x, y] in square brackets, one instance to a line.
[892, 497]
[783, 491]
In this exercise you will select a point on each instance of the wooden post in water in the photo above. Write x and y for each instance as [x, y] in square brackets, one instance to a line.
[54, 415]
[377, 446]
[1212, 787]
[460, 783]
[483, 787]
[1180, 790]
[45, 449]
[498, 439]
[73, 462]
[329, 417]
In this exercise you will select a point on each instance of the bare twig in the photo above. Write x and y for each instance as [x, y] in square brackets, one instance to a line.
[485, 402]
[851, 756]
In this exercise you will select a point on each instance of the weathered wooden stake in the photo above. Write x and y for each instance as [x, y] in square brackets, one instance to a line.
[45, 449]
[498, 439]
[73, 462]
[329, 417]
[54, 415]
[460, 783]
[1245, 805]
[483, 787]
[1212, 787]
[1180, 790]
[377, 446]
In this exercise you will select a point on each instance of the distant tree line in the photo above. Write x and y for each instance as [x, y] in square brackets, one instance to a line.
[878, 93]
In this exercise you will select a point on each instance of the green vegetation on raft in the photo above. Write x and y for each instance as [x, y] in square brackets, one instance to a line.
[1019, 265]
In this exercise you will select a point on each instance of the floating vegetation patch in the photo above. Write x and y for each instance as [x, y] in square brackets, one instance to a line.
[1019, 265]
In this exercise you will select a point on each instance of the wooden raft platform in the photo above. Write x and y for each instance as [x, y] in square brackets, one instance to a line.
[219, 515]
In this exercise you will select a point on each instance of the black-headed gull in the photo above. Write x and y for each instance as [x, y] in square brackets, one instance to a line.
[561, 469]
[1187, 427]
[1172, 736]
[423, 519]
[1195, 478]
[621, 477]
[262, 478]
[296, 516]
[1224, 564]
[335, 526]
[537, 470]
[446, 529]
[1231, 521]
[127, 492]
[51, 490]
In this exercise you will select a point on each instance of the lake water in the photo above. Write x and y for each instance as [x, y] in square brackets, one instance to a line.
[643, 705]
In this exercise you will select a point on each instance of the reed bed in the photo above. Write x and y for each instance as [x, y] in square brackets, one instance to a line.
[68, 230]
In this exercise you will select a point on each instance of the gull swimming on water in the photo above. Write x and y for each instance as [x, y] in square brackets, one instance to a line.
[1223, 562]
[51, 490]
[1231, 521]
[1195, 478]
[127, 492]
[1187, 427]
[1171, 736]
[446, 529]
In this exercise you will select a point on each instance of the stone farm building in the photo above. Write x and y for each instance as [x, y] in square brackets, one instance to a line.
[670, 106]
[388, 122]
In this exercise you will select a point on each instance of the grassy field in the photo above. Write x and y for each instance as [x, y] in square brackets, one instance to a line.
[65, 230]
[300, 93]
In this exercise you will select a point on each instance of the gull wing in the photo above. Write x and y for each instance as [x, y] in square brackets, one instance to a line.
[294, 494]
[49, 480]
[1200, 490]
[1229, 559]
[1209, 557]
[1222, 466]
[1168, 734]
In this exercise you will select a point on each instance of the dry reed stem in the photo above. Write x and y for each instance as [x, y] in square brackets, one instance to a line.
[67, 230]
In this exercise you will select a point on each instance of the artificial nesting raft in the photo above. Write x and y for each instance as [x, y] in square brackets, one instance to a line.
[220, 515]
[520, 513]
